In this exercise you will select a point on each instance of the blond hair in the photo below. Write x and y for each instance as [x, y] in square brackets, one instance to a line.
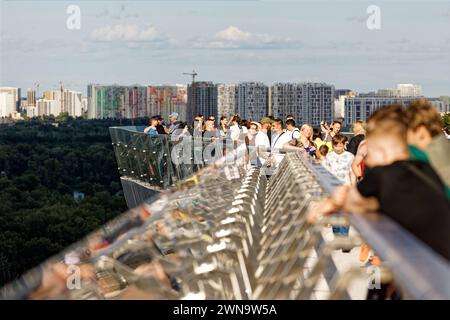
[304, 127]
[359, 127]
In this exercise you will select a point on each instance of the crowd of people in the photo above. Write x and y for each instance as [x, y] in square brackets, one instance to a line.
[397, 163]
[265, 138]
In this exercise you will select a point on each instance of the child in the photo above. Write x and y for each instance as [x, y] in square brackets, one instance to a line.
[409, 192]
[339, 161]
[321, 154]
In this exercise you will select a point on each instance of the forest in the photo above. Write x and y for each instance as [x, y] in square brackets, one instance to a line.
[42, 163]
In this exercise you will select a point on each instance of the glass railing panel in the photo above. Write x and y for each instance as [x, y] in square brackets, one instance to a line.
[162, 160]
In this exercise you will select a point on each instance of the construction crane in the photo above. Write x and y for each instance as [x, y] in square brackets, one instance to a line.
[192, 104]
[193, 74]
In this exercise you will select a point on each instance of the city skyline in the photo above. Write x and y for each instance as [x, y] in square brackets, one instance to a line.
[284, 41]
[375, 90]
[306, 102]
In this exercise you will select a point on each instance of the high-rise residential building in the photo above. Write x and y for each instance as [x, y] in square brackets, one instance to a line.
[446, 100]
[7, 104]
[409, 90]
[318, 102]
[362, 106]
[31, 97]
[23, 104]
[252, 100]
[339, 102]
[112, 102]
[307, 102]
[179, 102]
[51, 95]
[202, 99]
[402, 90]
[84, 106]
[69, 101]
[73, 103]
[10, 100]
[388, 93]
[136, 106]
[50, 104]
[48, 107]
[441, 104]
[166, 99]
[31, 111]
[92, 101]
[226, 100]
[286, 100]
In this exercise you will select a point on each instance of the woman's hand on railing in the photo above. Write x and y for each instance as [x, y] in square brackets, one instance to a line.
[345, 198]
[317, 210]
[355, 203]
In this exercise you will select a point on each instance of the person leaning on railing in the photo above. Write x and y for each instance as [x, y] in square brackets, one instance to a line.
[174, 123]
[151, 129]
[426, 140]
[303, 142]
[408, 191]
[210, 133]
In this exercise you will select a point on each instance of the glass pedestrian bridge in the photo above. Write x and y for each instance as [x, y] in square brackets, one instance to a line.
[223, 230]
[150, 163]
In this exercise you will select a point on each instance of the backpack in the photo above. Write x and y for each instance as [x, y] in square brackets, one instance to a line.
[295, 130]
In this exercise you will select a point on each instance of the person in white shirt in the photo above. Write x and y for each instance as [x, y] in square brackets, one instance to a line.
[262, 143]
[235, 131]
[339, 162]
[250, 141]
[279, 138]
[291, 129]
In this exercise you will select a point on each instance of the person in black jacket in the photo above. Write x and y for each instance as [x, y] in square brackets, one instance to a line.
[359, 134]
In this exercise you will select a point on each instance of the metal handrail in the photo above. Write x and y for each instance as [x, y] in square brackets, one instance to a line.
[417, 269]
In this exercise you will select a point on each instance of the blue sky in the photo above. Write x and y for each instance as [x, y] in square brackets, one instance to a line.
[154, 42]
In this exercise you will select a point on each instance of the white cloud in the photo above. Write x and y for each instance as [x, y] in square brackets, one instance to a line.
[232, 38]
[232, 33]
[125, 33]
